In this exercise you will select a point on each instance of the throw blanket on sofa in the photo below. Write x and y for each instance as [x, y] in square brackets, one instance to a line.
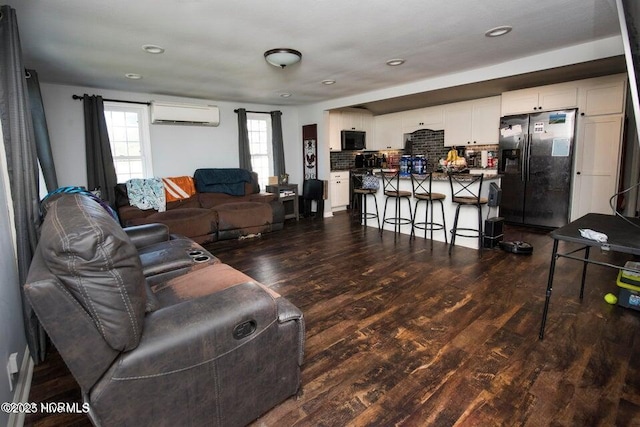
[178, 188]
[147, 193]
[229, 181]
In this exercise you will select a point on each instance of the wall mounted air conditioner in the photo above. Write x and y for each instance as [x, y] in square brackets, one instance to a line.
[184, 114]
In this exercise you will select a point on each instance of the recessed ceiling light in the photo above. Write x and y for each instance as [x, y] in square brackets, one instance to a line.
[133, 76]
[328, 82]
[395, 62]
[498, 31]
[285, 95]
[152, 48]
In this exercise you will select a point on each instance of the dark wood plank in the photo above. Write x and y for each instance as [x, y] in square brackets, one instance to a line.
[400, 334]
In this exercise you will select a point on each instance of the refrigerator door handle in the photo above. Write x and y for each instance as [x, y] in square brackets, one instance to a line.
[528, 157]
[523, 158]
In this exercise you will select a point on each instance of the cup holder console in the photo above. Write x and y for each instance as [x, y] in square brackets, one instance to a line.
[199, 256]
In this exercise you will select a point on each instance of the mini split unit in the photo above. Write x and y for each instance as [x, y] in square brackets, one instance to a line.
[184, 114]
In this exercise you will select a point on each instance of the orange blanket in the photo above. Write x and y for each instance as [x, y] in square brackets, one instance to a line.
[178, 188]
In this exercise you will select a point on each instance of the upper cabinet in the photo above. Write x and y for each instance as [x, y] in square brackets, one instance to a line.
[349, 119]
[604, 95]
[543, 98]
[387, 133]
[422, 118]
[472, 122]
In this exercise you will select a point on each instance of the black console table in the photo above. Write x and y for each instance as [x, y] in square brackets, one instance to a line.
[622, 237]
[288, 195]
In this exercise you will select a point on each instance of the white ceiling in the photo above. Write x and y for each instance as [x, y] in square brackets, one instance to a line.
[214, 48]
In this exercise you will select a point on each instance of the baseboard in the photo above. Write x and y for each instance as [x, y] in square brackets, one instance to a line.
[23, 387]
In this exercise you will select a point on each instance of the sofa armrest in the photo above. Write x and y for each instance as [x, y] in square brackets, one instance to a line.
[147, 234]
[190, 333]
[128, 213]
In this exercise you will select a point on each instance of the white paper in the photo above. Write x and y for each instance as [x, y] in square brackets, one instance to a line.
[560, 147]
[538, 127]
[511, 131]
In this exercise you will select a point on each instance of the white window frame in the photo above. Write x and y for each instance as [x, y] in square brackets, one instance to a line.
[262, 180]
[142, 111]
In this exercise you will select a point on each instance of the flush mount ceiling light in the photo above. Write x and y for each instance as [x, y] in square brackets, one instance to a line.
[285, 95]
[395, 62]
[282, 57]
[328, 82]
[153, 49]
[498, 31]
[133, 76]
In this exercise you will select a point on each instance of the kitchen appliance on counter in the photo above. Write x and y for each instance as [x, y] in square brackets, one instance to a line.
[371, 160]
[472, 158]
[536, 158]
[359, 161]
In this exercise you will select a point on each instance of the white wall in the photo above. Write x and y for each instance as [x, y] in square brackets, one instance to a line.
[12, 336]
[176, 150]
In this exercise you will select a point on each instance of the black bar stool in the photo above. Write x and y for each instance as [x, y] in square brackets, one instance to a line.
[391, 189]
[421, 185]
[363, 186]
[465, 196]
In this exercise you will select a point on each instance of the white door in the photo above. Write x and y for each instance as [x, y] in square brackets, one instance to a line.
[597, 162]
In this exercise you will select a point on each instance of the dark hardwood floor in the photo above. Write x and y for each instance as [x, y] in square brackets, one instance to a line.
[399, 334]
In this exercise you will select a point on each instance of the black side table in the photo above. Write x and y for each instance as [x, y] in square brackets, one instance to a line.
[624, 236]
[288, 195]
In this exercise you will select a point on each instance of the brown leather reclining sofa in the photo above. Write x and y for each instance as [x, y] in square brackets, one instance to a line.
[155, 329]
[219, 210]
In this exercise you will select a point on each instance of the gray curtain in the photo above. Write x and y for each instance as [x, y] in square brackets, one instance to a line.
[278, 146]
[244, 152]
[41, 131]
[101, 173]
[22, 164]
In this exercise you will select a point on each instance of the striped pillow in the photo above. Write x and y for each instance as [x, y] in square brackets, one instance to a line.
[178, 188]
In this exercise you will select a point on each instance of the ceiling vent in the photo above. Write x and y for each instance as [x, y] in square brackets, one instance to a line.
[184, 114]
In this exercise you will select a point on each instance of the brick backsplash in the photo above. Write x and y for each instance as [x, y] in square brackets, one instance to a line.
[429, 143]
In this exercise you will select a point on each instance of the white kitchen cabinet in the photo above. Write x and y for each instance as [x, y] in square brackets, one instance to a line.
[388, 132]
[542, 98]
[339, 190]
[604, 95]
[423, 118]
[349, 119]
[472, 122]
[335, 123]
[597, 161]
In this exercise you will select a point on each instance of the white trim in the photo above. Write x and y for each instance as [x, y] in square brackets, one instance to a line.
[23, 387]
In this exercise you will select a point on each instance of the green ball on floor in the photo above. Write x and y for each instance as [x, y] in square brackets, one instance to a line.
[611, 298]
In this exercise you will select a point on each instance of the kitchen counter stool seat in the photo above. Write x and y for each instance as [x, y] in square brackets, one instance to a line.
[421, 186]
[391, 190]
[463, 195]
[360, 198]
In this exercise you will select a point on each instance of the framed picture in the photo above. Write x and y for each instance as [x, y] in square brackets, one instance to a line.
[310, 151]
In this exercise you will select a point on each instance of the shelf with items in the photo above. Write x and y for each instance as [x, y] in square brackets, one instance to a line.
[288, 195]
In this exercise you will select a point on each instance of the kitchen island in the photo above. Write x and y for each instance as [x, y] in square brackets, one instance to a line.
[468, 217]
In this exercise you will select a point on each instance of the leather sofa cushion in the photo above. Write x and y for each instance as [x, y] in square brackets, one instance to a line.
[97, 263]
[187, 222]
[242, 215]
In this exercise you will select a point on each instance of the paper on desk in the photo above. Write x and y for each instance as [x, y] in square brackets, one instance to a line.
[587, 233]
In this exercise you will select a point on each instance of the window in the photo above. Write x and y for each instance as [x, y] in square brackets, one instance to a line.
[128, 127]
[259, 129]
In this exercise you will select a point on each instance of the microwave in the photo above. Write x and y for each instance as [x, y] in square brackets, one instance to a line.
[353, 140]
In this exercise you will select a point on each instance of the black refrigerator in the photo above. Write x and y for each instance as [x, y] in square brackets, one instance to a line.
[536, 161]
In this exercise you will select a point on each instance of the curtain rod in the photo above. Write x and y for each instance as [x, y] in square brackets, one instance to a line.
[255, 112]
[79, 97]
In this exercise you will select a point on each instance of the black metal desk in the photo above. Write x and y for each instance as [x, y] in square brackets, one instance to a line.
[622, 237]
